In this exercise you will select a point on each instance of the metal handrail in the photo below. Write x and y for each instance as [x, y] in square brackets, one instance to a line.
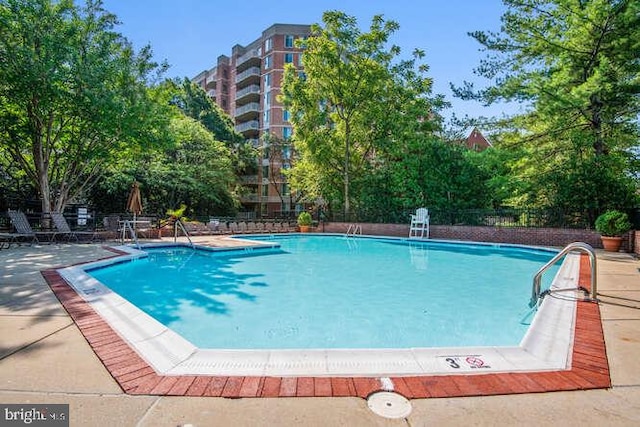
[126, 225]
[584, 247]
[353, 230]
[184, 230]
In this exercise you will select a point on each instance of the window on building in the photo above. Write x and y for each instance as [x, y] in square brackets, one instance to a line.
[300, 59]
[285, 189]
[302, 75]
[288, 41]
[265, 172]
[267, 80]
[268, 44]
[286, 132]
[266, 118]
[265, 190]
[265, 152]
[267, 99]
[225, 88]
[285, 115]
[267, 62]
[288, 58]
[225, 73]
[286, 152]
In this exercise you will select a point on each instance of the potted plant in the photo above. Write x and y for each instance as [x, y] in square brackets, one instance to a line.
[612, 225]
[304, 221]
[173, 216]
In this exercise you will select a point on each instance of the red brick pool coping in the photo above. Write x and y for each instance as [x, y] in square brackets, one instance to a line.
[589, 367]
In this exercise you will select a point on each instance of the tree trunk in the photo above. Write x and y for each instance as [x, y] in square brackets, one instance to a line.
[41, 162]
[596, 125]
[347, 152]
[45, 192]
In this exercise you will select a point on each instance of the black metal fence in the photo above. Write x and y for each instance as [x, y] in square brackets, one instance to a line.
[535, 218]
[505, 217]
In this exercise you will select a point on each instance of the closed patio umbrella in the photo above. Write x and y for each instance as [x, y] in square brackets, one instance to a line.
[134, 203]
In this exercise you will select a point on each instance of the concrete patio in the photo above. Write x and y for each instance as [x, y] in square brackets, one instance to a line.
[45, 359]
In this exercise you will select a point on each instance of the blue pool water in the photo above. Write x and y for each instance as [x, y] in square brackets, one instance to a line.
[333, 292]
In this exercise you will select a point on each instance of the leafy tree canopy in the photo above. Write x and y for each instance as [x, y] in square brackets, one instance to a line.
[195, 103]
[192, 101]
[192, 168]
[354, 98]
[575, 64]
[73, 95]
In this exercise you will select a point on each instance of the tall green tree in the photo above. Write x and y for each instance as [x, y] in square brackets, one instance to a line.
[73, 95]
[352, 99]
[423, 172]
[193, 167]
[195, 103]
[575, 65]
[281, 155]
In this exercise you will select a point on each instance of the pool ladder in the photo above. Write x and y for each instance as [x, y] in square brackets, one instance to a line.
[127, 227]
[178, 224]
[353, 230]
[579, 246]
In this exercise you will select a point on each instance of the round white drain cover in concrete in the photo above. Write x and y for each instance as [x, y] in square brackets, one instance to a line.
[389, 405]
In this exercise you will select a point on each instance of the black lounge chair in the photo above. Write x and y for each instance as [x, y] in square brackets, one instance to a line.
[23, 229]
[63, 228]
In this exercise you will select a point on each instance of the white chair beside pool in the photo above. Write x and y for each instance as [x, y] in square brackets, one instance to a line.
[419, 227]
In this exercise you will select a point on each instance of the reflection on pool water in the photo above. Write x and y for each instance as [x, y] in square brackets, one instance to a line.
[336, 292]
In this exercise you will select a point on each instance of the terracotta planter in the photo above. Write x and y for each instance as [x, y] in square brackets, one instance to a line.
[611, 244]
[304, 228]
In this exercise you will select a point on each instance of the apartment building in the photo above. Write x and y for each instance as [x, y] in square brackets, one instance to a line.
[246, 86]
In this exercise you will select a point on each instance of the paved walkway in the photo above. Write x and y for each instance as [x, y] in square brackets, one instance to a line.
[45, 359]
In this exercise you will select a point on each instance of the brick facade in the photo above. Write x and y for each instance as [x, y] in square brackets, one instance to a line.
[246, 85]
[517, 235]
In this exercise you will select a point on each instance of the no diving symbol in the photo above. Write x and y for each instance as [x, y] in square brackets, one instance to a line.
[476, 362]
[473, 361]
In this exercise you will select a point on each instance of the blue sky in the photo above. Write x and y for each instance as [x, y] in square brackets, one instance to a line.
[190, 34]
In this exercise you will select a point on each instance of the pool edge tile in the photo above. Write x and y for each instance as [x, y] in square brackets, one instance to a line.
[137, 377]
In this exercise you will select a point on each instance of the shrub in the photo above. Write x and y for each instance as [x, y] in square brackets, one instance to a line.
[613, 223]
[304, 218]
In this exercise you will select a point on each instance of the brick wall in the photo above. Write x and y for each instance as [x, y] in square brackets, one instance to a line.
[636, 240]
[519, 235]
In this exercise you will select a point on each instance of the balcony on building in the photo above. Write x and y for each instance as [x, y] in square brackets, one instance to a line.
[248, 111]
[256, 198]
[249, 179]
[249, 126]
[211, 84]
[248, 94]
[247, 60]
[249, 198]
[248, 76]
[211, 93]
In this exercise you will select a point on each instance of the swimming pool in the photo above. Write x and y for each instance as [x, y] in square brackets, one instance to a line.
[546, 344]
[317, 291]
